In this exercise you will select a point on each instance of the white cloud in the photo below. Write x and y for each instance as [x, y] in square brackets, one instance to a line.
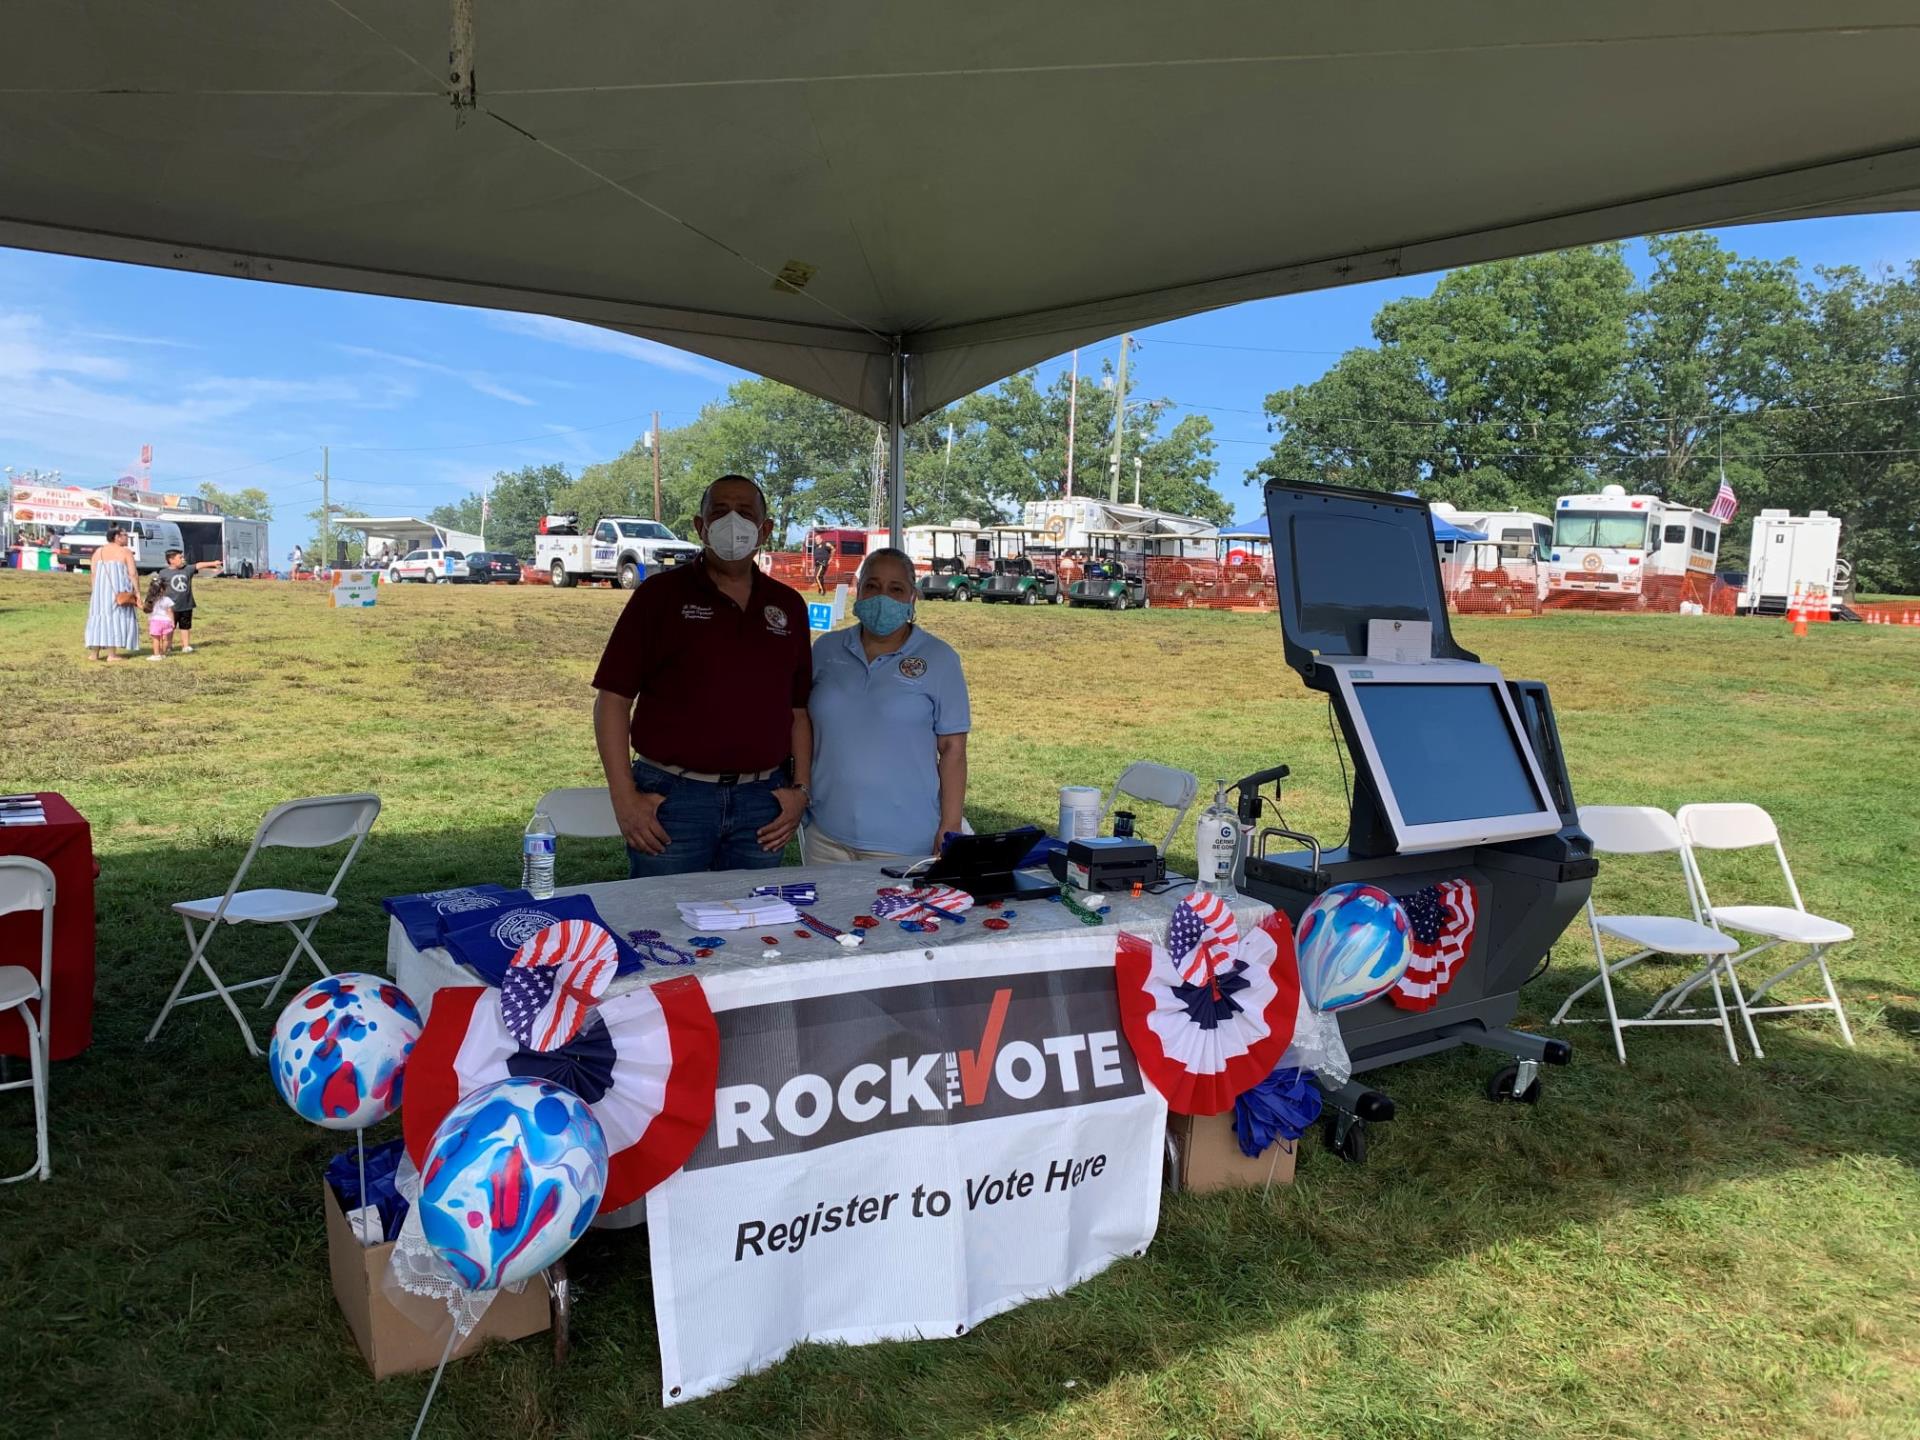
[576, 336]
[477, 380]
[26, 351]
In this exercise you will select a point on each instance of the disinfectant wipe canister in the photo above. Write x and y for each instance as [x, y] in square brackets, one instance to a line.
[1079, 812]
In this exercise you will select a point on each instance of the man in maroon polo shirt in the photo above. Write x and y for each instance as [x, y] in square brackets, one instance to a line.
[701, 715]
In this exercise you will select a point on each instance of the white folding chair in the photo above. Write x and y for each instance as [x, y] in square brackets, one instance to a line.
[315, 824]
[584, 812]
[1643, 830]
[1748, 827]
[28, 885]
[1158, 785]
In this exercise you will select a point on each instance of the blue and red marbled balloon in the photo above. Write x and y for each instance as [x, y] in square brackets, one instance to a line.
[1352, 944]
[513, 1177]
[339, 1050]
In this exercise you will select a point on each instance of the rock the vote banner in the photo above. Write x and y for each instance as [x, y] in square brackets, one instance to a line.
[901, 1148]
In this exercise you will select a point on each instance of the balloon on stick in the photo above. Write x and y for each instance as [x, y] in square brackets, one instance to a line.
[339, 1052]
[513, 1176]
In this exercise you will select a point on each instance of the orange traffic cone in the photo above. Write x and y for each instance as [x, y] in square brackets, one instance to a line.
[1797, 616]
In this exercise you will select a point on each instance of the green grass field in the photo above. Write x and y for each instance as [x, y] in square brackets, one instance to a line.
[1678, 1248]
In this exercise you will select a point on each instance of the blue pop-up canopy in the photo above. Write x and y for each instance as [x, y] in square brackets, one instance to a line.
[1444, 531]
[1255, 529]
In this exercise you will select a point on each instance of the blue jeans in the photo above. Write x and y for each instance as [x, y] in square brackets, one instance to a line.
[709, 826]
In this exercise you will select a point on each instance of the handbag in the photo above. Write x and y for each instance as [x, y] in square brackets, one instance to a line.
[126, 599]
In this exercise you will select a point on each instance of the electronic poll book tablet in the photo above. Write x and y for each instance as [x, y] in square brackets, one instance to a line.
[1450, 762]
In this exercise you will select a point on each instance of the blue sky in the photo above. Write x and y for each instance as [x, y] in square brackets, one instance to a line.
[242, 383]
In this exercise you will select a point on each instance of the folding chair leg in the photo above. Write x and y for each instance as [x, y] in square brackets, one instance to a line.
[37, 1078]
[1740, 1002]
[299, 944]
[194, 943]
[1726, 1025]
[1839, 1010]
[199, 957]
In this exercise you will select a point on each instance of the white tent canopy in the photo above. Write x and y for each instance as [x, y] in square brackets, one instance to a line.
[809, 192]
[397, 534]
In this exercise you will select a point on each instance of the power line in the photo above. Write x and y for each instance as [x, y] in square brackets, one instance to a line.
[1249, 349]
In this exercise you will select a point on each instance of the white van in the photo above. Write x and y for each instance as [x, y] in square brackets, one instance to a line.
[148, 539]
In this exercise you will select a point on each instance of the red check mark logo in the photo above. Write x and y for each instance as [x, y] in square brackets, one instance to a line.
[976, 1066]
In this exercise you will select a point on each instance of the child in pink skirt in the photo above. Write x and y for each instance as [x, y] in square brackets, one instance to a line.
[160, 625]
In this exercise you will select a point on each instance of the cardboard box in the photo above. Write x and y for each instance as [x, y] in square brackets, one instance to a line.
[1210, 1157]
[405, 1333]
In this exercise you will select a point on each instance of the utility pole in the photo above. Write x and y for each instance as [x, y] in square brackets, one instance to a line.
[656, 465]
[326, 511]
[1073, 407]
[1136, 479]
[1119, 422]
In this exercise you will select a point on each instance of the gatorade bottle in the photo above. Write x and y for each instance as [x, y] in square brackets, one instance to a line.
[1217, 843]
[536, 856]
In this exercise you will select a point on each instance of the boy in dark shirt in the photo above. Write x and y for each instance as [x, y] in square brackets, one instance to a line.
[178, 579]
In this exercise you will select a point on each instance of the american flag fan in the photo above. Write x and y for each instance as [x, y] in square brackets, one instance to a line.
[927, 904]
[1442, 919]
[554, 980]
[1210, 1013]
[644, 1062]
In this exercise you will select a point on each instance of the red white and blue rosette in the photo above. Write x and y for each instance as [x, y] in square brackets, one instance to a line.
[645, 1062]
[1210, 1013]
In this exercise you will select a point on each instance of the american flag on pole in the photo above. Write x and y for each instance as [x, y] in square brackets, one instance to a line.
[554, 980]
[1725, 503]
[1441, 918]
[1201, 937]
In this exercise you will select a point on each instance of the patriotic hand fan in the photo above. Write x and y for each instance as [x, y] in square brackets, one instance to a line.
[1211, 1012]
[645, 1063]
[1443, 918]
[554, 980]
[923, 902]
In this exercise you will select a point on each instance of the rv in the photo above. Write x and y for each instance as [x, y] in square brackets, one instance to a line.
[1628, 546]
[1073, 523]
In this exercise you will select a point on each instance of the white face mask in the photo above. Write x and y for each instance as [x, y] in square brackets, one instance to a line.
[733, 536]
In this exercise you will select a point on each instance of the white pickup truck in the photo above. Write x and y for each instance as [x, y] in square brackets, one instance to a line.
[622, 548]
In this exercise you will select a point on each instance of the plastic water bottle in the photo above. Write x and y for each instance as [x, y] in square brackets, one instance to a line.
[1217, 843]
[536, 856]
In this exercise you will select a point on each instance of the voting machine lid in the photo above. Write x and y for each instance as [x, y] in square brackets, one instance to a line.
[1343, 557]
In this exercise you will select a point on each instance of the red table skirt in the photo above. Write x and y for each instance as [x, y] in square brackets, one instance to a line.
[65, 846]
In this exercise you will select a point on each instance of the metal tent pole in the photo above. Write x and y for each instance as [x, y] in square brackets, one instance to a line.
[897, 447]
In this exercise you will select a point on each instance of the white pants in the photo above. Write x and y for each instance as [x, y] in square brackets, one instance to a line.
[819, 849]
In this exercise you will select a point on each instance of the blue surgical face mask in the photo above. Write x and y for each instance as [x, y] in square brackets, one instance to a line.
[881, 615]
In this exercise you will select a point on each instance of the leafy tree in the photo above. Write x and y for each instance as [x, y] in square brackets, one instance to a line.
[248, 504]
[318, 550]
[1713, 343]
[1846, 442]
[462, 514]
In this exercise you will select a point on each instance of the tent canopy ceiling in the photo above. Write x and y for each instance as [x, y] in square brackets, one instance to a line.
[985, 185]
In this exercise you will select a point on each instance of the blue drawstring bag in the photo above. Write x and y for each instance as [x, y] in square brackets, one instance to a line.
[1280, 1107]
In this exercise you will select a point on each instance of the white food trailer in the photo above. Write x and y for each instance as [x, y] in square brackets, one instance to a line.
[239, 545]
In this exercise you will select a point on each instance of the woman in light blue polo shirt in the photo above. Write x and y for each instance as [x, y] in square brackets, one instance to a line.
[890, 722]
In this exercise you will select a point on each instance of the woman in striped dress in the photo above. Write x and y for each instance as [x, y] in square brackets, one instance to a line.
[112, 627]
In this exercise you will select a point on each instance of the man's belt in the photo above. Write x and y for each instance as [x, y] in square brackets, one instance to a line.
[736, 777]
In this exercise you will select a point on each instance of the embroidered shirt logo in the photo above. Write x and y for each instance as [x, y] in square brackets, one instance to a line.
[913, 667]
[516, 927]
[696, 612]
[776, 619]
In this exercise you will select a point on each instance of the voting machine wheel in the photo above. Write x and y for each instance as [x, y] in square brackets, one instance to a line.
[1346, 1136]
[1507, 1086]
[560, 1291]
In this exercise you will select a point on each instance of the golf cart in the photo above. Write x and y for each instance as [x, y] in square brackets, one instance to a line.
[1111, 579]
[1015, 576]
[949, 576]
